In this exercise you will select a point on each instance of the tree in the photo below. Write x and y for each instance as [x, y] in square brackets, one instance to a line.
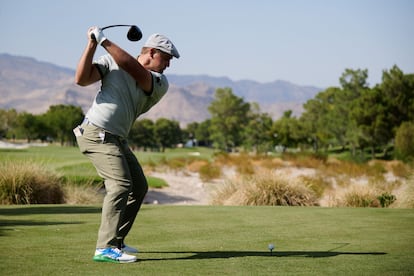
[354, 80]
[370, 114]
[397, 91]
[354, 83]
[229, 113]
[61, 120]
[142, 134]
[257, 133]
[8, 121]
[287, 131]
[202, 133]
[313, 120]
[29, 125]
[167, 132]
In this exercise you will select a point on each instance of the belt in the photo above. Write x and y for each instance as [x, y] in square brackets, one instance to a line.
[87, 122]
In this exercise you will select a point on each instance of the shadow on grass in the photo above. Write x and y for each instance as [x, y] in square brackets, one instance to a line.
[21, 210]
[240, 254]
[48, 209]
[163, 197]
[10, 225]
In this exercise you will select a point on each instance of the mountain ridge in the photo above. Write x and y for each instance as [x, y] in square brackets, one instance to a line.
[27, 84]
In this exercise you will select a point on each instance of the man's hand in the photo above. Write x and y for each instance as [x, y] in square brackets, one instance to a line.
[97, 34]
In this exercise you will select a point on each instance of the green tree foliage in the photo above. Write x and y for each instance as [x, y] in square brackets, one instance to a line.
[257, 131]
[167, 133]
[143, 134]
[315, 118]
[404, 140]
[354, 83]
[397, 91]
[8, 121]
[288, 131]
[228, 114]
[370, 114]
[202, 133]
[61, 120]
[358, 116]
[29, 125]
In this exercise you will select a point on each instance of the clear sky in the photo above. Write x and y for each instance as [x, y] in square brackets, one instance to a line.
[306, 42]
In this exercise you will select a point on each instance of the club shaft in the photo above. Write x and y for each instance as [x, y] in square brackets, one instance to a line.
[119, 25]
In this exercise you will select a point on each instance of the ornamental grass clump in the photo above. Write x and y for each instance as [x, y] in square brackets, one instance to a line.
[26, 182]
[266, 188]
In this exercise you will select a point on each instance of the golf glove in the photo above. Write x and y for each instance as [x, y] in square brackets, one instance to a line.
[97, 34]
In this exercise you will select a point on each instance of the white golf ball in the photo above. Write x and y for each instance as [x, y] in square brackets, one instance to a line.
[271, 246]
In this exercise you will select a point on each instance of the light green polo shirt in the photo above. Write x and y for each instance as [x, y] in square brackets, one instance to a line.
[120, 100]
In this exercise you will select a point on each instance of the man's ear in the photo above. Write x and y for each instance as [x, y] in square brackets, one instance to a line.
[152, 52]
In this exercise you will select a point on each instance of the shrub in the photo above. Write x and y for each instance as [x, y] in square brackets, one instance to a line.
[85, 194]
[29, 183]
[196, 165]
[386, 199]
[359, 196]
[318, 184]
[404, 140]
[405, 195]
[400, 169]
[266, 188]
[209, 171]
[306, 160]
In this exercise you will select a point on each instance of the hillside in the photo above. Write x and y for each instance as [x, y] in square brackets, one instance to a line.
[30, 85]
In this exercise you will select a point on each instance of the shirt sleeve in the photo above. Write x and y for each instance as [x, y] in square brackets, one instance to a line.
[159, 85]
[104, 64]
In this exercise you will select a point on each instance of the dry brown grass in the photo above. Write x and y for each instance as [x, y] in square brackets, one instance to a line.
[318, 184]
[359, 196]
[86, 194]
[405, 194]
[26, 182]
[334, 183]
[265, 188]
[196, 165]
[209, 172]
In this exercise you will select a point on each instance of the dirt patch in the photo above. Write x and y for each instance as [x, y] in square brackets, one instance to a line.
[184, 188]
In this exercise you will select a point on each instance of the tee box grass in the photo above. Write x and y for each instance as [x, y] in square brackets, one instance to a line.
[212, 240]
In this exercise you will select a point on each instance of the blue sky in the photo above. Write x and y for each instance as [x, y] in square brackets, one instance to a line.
[306, 42]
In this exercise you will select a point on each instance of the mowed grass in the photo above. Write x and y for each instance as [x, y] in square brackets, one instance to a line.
[212, 240]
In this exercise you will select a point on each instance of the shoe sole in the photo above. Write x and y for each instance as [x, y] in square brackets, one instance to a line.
[100, 258]
[130, 251]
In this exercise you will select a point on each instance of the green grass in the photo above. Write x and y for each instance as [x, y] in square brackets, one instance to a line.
[213, 240]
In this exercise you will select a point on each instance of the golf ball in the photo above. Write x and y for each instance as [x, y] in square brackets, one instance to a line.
[271, 246]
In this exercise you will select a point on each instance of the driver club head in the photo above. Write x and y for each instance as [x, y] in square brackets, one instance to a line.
[134, 33]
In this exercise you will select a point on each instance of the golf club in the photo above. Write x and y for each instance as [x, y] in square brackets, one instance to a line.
[134, 33]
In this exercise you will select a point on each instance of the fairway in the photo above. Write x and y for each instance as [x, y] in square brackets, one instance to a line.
[212, 240]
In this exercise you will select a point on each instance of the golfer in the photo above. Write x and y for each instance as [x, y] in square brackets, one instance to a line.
[129, 87]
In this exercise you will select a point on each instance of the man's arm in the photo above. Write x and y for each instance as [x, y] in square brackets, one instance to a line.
[86, 72]
[128, 63]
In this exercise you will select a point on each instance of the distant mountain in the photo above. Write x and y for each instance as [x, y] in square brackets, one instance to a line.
[32, 86]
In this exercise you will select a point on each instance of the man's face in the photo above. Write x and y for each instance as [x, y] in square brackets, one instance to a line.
[161, 61]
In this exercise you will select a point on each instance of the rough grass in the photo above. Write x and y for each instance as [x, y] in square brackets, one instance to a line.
[209, 172]
[333, 182]
[26, 182]
[265, 188]
[86, 194]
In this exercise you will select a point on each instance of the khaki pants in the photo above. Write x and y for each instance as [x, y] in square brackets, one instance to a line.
[125, 183]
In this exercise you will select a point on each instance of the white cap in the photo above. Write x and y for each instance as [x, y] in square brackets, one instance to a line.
[162, 43]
